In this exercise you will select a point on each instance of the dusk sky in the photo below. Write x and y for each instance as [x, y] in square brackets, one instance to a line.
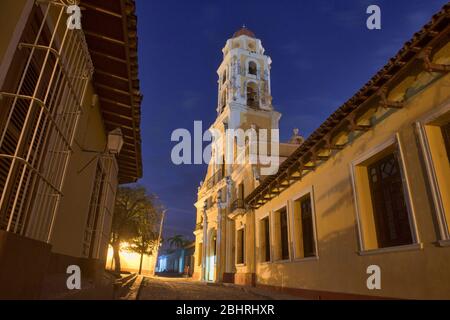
[322, 54]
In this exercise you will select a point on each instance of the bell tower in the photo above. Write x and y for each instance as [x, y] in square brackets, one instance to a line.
[244, 102]
[244, 75]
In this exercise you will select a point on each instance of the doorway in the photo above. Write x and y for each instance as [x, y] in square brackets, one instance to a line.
[211, 255]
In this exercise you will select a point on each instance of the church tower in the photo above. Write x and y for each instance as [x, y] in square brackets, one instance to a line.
[224, 225]
[244, 75]
[244, 89]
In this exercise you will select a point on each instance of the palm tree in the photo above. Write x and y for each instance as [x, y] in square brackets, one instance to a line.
[177, 241]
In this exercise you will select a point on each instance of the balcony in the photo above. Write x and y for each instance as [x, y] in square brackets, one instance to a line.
[238, 206]
[215, 179]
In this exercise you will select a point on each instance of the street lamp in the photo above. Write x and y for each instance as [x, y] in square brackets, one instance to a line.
[115, 141]
[113, 147]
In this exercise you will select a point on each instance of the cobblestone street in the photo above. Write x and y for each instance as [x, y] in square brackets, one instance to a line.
[183, 289]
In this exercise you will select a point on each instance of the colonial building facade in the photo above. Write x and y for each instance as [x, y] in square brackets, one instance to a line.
[368, 190]
[245, 103]
[69, 134]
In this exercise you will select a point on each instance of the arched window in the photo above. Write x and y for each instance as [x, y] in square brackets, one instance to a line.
[224, 77]
[223, 100]
[252, 68]
[252, 95]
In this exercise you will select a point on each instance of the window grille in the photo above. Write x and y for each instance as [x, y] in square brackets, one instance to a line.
[94, 211]
[101, 208]
[40, 106]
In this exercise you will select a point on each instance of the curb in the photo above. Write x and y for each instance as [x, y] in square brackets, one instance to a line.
[133, 292]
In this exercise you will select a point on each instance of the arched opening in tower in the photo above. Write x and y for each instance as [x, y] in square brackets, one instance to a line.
[252, 68]
[252, 95]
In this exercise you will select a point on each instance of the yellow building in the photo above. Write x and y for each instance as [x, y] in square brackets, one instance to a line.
[69, 134]
[366, 196]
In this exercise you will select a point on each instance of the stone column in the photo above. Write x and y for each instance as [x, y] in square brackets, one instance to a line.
[218, 271]
[205, 243]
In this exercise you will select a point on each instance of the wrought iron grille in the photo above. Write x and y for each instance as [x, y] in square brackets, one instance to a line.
[101, 208]
[40, 107]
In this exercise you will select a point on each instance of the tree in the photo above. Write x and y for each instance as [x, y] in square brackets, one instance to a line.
[135, 219]
[147, 236]
[177, 241]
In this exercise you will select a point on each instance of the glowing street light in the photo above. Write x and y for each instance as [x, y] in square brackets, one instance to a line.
[115, 141]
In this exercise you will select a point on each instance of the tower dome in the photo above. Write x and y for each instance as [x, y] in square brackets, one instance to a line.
[244, 32]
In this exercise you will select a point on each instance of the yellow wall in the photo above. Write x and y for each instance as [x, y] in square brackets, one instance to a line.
[417, 273]
[130, 261]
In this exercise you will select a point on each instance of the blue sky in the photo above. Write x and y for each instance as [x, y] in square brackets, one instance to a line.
[322, 54]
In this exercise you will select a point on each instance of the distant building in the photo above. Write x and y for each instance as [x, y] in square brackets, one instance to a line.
[369, 187]
[177, 262]
[69, 102]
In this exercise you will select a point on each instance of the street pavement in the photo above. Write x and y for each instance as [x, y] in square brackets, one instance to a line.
[158, 288]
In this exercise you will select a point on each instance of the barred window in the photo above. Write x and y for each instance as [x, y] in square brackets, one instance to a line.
[304, 235]
[39, 111]
[95, 207]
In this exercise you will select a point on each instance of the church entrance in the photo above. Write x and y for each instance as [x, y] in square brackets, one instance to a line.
[211, 255]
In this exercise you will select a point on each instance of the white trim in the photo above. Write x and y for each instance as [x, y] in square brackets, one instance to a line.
[443, 224]
[393, 140]
[302, 193]
[408, 193]
[281, 206]
[375, 150]
[435, 113]
[265, 215]
[361, 240]
[285, 205]
[281, 261]
[408, 247]
[307, 259]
